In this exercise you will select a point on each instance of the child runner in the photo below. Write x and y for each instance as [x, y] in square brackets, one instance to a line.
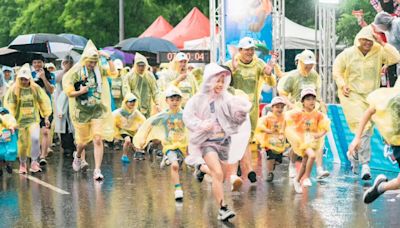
[26, 101]
[169, 128]
[305, 129]
[384, 111]
[270, 135]
[212, 116]
[7, 128]
[127, 120]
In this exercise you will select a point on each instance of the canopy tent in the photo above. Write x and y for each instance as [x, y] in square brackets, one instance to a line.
[194, 26]
[197, 44]
[298, 36]
[158, 28]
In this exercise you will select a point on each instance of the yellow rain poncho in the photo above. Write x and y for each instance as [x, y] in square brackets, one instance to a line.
[301, 127]
[362, 75]
[127, 121]
[250, 78]
[7, 121]
[275, 141]
[26, 104]
[189, 86]
[167, 127]
[386, 102]
[91, 116]
[143, 86]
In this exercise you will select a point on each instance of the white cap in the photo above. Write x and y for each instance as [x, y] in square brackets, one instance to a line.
[308, 57]
[130, 97]
[277, 100]
[118, 64]
[181, 56]
[307, 91]
[246, 43]
[50, 65]
[172, 91]
[25, 72]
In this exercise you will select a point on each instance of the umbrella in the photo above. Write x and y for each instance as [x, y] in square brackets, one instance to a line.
[125, 42]
[38, 47]
[127, 58]
[11, 57]
[79, 42]
[148, 44]
[55, 43]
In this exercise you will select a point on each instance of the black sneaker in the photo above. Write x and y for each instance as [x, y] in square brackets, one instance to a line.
[9, 169]
[225, 214]
[252, 177]
[198, 173]
[138, 156]
[270, 177]
[372, 193]
[42, 162]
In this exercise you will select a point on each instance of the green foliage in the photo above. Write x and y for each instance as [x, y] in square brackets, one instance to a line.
[301, 12]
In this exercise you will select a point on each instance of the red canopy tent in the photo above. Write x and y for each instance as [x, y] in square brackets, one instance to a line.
[158, 28]
[194, 26]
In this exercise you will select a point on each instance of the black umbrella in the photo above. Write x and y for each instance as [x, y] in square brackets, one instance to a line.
[41, 42]
[38, 47]
[11, 57]
[147, 44]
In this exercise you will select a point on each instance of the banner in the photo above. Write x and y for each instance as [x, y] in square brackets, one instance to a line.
[250, 18]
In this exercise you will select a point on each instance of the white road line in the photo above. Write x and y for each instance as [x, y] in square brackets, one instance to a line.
[47, 185]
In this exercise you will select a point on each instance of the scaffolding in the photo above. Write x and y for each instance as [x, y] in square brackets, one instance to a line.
[217, 31]
[327, 49]
[278, 30]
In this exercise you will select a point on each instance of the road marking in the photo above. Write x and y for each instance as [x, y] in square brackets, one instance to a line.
[47, 185]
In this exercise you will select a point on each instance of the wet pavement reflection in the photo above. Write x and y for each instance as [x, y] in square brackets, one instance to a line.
[141, 195]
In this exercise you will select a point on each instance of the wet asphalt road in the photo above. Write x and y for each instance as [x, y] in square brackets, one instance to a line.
[141, 195]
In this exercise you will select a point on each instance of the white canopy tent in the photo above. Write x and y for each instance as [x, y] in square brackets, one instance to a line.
[296, 37]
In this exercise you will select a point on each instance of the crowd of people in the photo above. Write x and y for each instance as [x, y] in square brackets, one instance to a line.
[186, 117]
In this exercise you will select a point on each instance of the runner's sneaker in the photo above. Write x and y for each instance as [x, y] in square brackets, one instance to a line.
[372, 193]
[43, 162]
[270, 177]
[178, 194]
[297, 186]
[125, 159]
[84, 165]
[307, 182]
[165, 162]
[292, 170]
[97, 175]
[365, 172]
[9, 169]
[76, 164]
[225, 214]
[252, 176]
[198, 173]
[35, 167]
[50, 152]
[236, 183]
[321, 173]
[22, 168]
[138, 156]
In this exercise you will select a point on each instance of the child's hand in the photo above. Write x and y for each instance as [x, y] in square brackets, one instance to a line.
[355, 144]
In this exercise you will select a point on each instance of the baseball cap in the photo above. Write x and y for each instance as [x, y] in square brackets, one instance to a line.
[181, 56]
[277, 100]
[246, 43]
[308, 57]
[172, 91]
[25, 72]
[118, 64]
[307, 91]
[130, 97]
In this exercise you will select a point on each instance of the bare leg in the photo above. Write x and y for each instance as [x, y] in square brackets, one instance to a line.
[175, 173]
[217, 175]
[392, 184]
[45, 132]
[302, 168]
[98, 151]
[310, 162]
[127, 145]
[270, 165]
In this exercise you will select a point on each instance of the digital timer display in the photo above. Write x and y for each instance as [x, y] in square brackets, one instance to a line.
[194, 56]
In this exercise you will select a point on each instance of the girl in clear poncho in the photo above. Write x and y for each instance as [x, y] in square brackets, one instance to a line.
[127, 120]
[26, 101]
[212, 116]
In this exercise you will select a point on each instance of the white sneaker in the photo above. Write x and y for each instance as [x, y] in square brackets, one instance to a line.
[178, 194]
[307, 182]
[224, 214]
[164, 162]
[84, 165]
[97, 175]
[76, 164]
[322, 174]
[297, 186]
[365, 172]
[236, 183]
[292, 170]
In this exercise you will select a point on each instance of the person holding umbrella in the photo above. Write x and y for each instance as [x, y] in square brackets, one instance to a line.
[88, 90]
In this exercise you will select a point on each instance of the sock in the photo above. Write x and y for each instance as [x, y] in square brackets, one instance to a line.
[320, 169]
[178, 187]
[381, 188]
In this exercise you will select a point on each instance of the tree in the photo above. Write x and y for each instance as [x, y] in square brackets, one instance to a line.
[9, 13]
